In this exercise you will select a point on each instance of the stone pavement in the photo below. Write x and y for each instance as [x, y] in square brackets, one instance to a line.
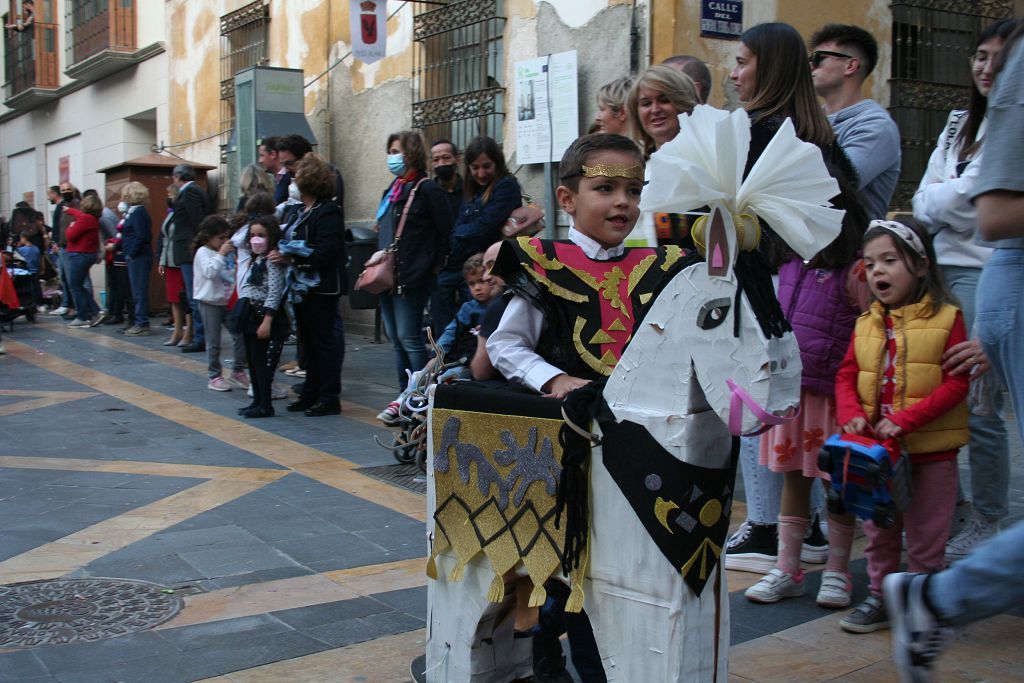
[291, 559]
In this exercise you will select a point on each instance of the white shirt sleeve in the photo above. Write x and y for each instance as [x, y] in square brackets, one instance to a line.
[511, 347]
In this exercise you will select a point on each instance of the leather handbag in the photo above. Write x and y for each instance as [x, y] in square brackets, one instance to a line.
[526, 221]
[378, 274]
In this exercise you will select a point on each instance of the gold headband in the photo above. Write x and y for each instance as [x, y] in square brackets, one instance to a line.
[613, 171]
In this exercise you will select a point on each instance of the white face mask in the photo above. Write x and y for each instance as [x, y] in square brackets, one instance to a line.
[293, 191]
[122, 207]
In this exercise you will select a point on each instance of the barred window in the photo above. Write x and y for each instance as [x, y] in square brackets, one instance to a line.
[932, 44]
[458, 70]
[243, 44]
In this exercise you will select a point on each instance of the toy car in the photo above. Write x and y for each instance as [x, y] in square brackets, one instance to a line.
[870, 478]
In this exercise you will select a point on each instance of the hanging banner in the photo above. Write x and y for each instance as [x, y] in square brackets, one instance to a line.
[547, 107]
[369, 29]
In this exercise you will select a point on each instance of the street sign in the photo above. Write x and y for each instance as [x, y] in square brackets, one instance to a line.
[721, 19]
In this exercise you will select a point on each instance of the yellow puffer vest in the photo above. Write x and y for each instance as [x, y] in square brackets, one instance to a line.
[920, 342]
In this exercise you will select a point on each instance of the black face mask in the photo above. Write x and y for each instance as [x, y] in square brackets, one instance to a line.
[68, 196]
[170, 203]
[445, 173]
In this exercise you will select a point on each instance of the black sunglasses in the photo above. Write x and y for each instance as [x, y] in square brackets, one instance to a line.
[819, 56]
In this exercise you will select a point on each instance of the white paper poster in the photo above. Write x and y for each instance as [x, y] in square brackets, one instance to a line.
[547, 107]
[369, 29]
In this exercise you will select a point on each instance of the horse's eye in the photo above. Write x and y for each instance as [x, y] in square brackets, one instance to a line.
[713, 313]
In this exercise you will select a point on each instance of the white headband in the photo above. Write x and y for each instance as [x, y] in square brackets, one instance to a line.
[904, 233]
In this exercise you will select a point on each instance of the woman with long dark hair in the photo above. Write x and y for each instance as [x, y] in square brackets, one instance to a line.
[942, 204]
[421, 250]
[492, 194]
[773, 81]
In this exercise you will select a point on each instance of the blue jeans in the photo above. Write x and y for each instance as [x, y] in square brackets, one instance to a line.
[138, 275]
[403, 323]
[198, 334]
[985, 583]
[1000, 307]
[449, 292]
[79, 264]
[989, 456]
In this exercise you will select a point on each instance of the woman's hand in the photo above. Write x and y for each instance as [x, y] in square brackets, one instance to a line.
[967, 357]
[161, 269]
[887, 429]
[263, 331]
[277, 257]
[857, 425]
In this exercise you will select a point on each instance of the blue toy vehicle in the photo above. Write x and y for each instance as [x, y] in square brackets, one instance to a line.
[870, 478]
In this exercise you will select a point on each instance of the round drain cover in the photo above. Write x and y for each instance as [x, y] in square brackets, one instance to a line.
[68, 610]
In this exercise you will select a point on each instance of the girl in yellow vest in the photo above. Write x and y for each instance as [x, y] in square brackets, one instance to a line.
[891, 384]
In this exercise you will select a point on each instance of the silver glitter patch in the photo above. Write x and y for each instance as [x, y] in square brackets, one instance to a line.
[653, 482]
[686, 521]
[696, 493]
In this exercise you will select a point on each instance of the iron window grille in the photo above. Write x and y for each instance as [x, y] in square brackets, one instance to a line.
[932, 43]
[459, 69]
[30, 54]
[243, 44]
[97, 25]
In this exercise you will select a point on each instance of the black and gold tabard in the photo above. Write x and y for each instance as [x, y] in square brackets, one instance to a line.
[590, 307]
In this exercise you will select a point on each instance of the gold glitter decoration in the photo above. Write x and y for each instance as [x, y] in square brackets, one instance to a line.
[711, 512]
[617, 326]
[513, 521]
[592, 361]
[635, 172]
[673, 252]
[662, 508]
[748, 232]
[705, 548]
[602, 337]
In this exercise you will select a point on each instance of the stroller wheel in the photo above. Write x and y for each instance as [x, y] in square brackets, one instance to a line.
[407, 454]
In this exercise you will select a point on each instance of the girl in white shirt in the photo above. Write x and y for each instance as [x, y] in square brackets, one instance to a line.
[213, 281]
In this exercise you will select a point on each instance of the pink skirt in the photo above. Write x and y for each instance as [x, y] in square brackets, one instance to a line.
[794, 446]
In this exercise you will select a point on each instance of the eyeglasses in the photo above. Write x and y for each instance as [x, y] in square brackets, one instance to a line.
[819, 56]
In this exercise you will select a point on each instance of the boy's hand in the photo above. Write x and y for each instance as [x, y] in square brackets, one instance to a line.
[857, 425]
[887, 429]
[559, 386]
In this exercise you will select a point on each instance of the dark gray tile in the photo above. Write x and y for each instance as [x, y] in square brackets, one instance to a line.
[261, 576]
[342, 550]
[165, 668]
[226, 633]
[342, 633]
[20, 665]
[165, 570]
[252, 652]
[409, 535]
[412, 601]
[216, 562]
[330, 612]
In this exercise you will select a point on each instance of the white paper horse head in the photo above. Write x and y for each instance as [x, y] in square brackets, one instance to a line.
[703, 344]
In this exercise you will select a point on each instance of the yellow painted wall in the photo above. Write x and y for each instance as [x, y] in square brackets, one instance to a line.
[676, 30]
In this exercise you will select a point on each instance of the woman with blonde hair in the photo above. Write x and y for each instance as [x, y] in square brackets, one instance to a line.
[612, 114]
[137, 246]
[655, 102]
[254, 179]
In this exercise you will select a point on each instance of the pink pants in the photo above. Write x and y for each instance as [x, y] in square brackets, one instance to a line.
[927, 524]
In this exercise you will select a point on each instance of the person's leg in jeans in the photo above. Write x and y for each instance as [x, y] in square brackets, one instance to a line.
[409, 327]
[78, 268]
[198, 334]
[387, 316]
[214, 317]
[762, 487]
[67, 298]
[139, 268]
[989, 456]
[1000, 306]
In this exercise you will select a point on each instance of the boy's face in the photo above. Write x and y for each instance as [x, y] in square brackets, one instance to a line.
[479, 288]
[605, 208]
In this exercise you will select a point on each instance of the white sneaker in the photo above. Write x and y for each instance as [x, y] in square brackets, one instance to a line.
[976, 530]
[218, 384]
[777, 585]
[277, 392]
[59, 311]
[918, 634]
[2, 349]
[40, 309]
[835, 589]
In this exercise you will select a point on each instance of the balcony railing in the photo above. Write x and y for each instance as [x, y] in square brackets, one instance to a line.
[101, 37]
[30, 63]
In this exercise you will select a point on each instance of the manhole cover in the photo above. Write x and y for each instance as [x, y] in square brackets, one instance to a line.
[409, 477]
[68, 610]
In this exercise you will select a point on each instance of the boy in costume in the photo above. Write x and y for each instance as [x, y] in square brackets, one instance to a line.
[574, 308]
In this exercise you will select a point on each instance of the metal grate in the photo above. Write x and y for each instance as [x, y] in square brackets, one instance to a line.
[932, 42]
[30, 55]
[458, 68]
[409, 477]
[97, 25]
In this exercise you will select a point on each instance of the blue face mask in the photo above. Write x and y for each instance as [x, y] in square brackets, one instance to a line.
[396, 164]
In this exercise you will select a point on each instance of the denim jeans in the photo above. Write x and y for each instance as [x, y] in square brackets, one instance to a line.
[138, 275]
[448, 294]
[403, 323]
[79, 264]
[985, 583]
[68, 300]
[989, 456]
[1000, 307]
[198, 335]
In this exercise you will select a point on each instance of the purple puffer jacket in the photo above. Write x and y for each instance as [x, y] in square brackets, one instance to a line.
[816, 304]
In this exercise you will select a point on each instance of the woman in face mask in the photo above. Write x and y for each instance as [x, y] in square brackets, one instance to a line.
[422, 246]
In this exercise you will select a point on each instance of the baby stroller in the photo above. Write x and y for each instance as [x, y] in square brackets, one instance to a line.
[409, 440]
[23, 289]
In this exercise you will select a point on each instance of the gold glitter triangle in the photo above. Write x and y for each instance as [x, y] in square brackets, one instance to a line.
[617, 326]
[602, 337]
[609, 359]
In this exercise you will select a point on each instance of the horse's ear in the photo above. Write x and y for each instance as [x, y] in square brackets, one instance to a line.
[719, 246]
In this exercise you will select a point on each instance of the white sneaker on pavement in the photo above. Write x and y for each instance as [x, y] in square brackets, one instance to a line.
[777, 585]
[835, 589]
[918, 634]
[976, 530]
[278, 392]
[59, 311]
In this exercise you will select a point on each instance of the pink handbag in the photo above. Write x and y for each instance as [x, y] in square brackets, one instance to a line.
[378, 274]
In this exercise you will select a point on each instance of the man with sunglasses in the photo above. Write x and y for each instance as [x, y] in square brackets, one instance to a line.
[842, 57]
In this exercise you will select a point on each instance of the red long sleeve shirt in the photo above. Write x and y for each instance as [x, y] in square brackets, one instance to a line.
[944, 398]
[84, 234]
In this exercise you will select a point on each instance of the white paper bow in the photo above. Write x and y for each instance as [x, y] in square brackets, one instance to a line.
[789, 186]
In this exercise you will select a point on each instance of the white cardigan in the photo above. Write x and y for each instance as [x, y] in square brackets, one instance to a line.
[212, 281]
[942, 202]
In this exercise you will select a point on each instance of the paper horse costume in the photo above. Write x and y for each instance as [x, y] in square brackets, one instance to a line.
[644, 514]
